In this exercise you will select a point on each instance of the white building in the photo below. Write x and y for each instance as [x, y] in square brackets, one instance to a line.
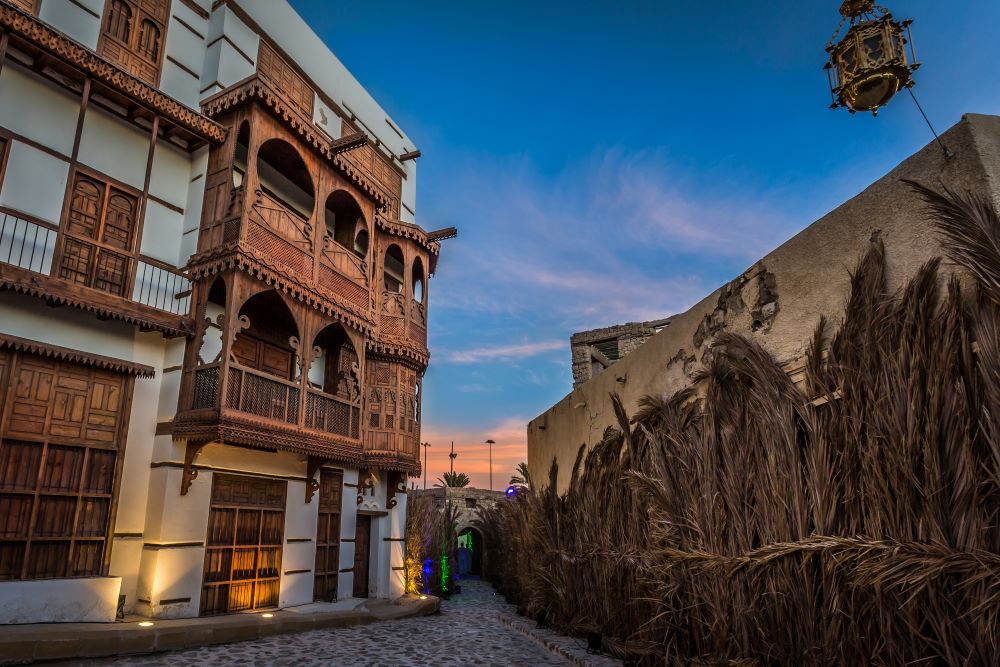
[212, 314]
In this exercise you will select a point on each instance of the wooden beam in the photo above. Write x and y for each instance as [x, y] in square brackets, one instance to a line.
[410, 155]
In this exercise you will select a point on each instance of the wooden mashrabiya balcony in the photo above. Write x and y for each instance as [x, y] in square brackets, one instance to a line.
[240, 405]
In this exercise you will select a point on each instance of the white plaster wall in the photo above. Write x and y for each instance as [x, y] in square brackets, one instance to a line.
[224, 64]
[348, 523]
[130, 517]
[35, 182]
[27, 317]
[114, 147]
[397, 549]
[408, 198]
[173, 572]
[82, 23]
[162, 231]
[88, 600]
[300, 524]
[326, 119]
[195, 203]
[186, 46]
[170, 175]
[170, 381]
[36, 109]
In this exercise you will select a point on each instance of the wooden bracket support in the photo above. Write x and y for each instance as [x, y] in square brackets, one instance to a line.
[312, 484]
[190, 473]
[396, 485]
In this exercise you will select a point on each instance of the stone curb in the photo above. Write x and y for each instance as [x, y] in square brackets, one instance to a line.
[23, 644]
[553, 642]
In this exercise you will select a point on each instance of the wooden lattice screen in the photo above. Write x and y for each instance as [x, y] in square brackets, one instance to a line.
[327, 570]
[243, 550]
[62, 429]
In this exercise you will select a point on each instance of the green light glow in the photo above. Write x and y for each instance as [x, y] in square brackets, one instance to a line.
[444, 573]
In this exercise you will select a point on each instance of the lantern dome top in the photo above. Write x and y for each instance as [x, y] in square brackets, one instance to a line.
[855, 8]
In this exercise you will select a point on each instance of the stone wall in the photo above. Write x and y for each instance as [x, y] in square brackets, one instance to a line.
[468, 501]
[780, 299]
[597, 349]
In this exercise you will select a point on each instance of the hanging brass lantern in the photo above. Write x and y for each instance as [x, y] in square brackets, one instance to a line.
[869, 65]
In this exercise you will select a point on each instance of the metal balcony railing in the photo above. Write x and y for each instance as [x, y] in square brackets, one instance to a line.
[26, 244]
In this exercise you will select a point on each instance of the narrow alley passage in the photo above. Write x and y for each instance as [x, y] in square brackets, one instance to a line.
[468, 631]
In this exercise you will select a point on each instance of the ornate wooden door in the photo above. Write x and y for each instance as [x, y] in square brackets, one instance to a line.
[327, 570]
[362, 551]
[243, 550]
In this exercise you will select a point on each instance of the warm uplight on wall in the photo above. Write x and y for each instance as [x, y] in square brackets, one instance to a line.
[145, 624]
[267, 615]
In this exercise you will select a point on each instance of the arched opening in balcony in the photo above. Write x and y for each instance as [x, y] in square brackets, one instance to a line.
[393, 268]
[263, 373]
[361, 243]
[240, 155]
[335, 369]
[345, 222]
[284, 176]
[267, 343]
[211, 340]
[418, 280]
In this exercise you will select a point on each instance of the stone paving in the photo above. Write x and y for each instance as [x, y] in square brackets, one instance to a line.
[468, 631]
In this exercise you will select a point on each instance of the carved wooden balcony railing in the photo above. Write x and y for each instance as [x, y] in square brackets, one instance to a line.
[160, 293]
[266, 411]
[399, 321]
[283, 241]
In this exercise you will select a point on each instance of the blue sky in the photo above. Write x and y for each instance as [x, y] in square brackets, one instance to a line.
[611, 162]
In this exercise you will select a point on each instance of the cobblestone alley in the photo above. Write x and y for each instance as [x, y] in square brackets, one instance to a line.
[468, 631]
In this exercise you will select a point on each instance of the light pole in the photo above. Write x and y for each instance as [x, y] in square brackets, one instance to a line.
[453, 456]
[491, 443]
[425, 445]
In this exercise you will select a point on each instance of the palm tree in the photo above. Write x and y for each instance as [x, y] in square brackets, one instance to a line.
[454, 480]
[522, 476]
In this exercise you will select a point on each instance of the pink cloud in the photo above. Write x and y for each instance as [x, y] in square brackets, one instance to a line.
[473, 454]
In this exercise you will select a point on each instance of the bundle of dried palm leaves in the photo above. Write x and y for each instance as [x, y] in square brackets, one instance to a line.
[750, 522]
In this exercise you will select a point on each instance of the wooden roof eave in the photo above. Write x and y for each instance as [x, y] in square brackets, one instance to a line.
[30, 34]
[255, 89]
[8, 342]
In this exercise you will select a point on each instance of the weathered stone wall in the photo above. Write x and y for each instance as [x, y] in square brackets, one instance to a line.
[468, 511]
[629, 337]
[779, 301]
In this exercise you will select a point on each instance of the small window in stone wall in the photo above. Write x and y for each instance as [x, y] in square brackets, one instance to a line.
[470, 503]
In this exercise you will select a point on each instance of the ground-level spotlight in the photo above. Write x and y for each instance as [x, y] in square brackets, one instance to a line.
[267, 615]
[145, 624]
[423, 597]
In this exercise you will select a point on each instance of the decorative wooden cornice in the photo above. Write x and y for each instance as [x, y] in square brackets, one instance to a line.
[398, 349]
[259, 434]
[234, 256]
[408, 230]
[8, 342]
[393, 461]
[34, 31]
[254, 88]
[63, 293]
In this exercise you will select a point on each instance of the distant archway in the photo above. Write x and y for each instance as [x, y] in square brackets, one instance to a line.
[469, 552]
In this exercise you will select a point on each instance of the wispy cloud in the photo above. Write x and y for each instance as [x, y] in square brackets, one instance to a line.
[492, 353]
